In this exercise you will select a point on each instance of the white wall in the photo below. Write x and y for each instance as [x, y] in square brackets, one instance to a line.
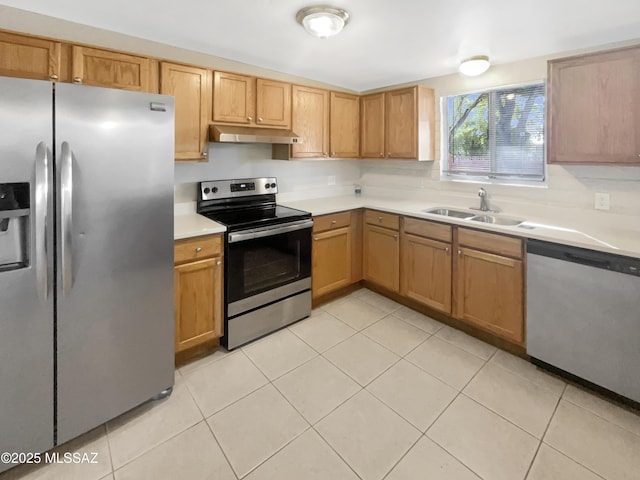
[296, 178]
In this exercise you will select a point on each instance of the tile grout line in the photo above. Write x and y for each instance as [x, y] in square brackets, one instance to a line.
[106, 433]
[224, 454]
[545, 433]
[447, 408]
[572, 460]
[335, 451]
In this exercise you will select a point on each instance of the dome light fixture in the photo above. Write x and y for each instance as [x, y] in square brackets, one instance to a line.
[474, 66]
[322, 21]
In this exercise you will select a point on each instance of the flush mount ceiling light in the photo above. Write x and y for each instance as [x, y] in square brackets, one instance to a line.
[474, 66]
[322, 21]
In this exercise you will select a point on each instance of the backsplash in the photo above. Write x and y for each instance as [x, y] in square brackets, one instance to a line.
[296, 178]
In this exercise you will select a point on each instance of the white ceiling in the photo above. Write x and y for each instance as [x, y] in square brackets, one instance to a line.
[386, 42]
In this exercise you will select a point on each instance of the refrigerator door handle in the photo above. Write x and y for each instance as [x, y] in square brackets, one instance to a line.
[40, 211]
[66, 213]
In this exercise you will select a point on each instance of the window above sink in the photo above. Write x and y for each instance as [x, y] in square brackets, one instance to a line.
[495, 136]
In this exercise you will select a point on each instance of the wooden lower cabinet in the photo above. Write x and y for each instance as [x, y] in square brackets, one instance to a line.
[331, 263]
[381, 257]
[197, 294]
[336, 252]
[489, 292]
[425, 273]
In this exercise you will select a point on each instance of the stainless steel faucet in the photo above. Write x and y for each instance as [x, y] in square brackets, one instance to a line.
[484, 204]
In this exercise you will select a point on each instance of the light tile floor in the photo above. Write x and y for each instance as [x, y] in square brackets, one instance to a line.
[363, 389]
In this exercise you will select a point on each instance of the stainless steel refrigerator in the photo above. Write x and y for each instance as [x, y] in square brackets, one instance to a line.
[86, 257]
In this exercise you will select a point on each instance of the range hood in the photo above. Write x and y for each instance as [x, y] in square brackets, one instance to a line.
[235, 134]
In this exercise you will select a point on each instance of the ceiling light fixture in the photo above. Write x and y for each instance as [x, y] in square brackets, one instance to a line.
[474, 66]
[322, 21]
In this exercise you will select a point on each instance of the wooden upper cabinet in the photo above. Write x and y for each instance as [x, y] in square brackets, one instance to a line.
[191, 89]
[310, 120]
[104, 68]
[233, 98]
[594, 108]
[372, 126]
[273, 103]
[410, 119]
[28, 57]
[345, 125]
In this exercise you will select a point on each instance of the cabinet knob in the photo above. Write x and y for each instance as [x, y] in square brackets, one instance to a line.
[324, 154]
[53, 77]
[395, 236]
[446, 249]
[333, 154]
[77, 80]
[249, 118]
[388, 154]
[333, 222]
[315, 239]
[219, 262]
[382, 154]
[459, 252]
[259, 119]
[379, 219]
[198, 249]
[205, 154]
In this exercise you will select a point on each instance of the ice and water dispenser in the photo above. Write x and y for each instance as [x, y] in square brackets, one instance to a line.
[14, 226]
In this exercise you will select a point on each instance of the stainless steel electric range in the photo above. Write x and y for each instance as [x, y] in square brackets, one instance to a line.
[267, 257]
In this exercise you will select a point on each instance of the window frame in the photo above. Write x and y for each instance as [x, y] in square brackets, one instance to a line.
[488, 179]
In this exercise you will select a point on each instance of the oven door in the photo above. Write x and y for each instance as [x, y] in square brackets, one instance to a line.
[267, 264]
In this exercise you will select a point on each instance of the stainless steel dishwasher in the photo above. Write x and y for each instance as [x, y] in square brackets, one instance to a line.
[583, 314]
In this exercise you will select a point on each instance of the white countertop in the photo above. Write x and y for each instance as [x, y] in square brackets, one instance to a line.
[187, 223]
[567, 227]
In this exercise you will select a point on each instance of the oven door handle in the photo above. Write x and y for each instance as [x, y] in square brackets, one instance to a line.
[269, 231]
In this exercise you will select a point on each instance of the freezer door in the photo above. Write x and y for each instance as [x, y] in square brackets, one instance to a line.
[115, 252]
[26, 296]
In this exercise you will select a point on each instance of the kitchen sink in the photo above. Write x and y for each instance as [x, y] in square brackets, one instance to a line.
[447, 212]
[507, 221]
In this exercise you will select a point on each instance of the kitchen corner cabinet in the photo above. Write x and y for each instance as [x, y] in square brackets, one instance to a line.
[198, 291]
[241, 99]
[336, 252]
[191, 89]
[425, 263]
[28, 57]
[372, 126]
[489, 283]
[104, 68]
[594, 108]
[381, 249]
[344, 136]
[310, 120]
[410, 124]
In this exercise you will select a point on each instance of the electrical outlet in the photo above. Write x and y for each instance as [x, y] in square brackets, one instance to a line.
[331, 180]
[602, 201]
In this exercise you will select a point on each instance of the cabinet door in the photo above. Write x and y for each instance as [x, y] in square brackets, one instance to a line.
[489, 293]
[381, 257]
[594, 109]
[103, 68]
[425, 272]
[197, 302]
[273, 103]
[310, 120]
[233, 98]
[372, 132]
[345, 125]
[331, 261]
[28, 57]
[190, 88]
[401, 131]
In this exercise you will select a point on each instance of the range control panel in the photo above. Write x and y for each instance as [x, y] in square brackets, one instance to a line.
[218, 189]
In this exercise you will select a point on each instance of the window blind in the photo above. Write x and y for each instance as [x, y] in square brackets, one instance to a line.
[497, 133]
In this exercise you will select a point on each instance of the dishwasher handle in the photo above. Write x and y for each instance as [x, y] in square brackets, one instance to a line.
[584, 260]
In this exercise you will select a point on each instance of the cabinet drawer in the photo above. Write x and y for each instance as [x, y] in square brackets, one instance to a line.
[425, 228]
[196, 248]
[387, 220]
[490, 242]
[331, 222]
